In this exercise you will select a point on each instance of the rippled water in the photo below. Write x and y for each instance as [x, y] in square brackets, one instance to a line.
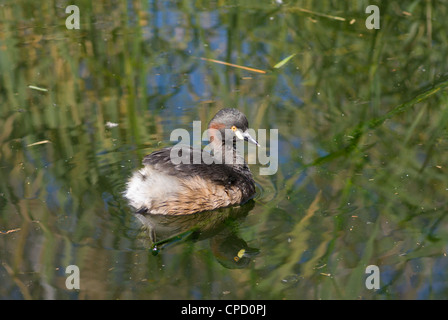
[361, 116]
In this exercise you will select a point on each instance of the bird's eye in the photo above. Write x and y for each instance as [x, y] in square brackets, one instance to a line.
[233, 128]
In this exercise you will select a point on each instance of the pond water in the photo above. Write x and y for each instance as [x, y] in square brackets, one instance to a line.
[361, 116]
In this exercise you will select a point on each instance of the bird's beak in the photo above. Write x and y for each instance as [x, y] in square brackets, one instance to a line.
[246, 136]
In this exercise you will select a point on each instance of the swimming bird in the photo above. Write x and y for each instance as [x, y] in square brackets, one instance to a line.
[222, 178]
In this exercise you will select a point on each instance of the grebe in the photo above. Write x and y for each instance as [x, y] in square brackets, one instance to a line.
[167, 188]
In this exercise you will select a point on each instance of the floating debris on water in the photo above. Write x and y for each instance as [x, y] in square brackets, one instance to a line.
[39, 142]
[10, 231]
[38, 88]
[111, 124]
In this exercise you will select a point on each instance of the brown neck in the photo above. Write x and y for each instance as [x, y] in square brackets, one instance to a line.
[225, 152]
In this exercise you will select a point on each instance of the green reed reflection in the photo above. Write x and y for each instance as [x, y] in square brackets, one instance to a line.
[361, 116]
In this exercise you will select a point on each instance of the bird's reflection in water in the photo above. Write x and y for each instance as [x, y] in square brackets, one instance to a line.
[219, 226]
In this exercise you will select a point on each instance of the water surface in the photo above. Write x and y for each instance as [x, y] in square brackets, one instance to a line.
[361, 116]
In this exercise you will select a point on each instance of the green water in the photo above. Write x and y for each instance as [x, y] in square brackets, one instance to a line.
[362, 122]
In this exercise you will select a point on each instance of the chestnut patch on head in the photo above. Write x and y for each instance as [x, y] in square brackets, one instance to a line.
[215, 126]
